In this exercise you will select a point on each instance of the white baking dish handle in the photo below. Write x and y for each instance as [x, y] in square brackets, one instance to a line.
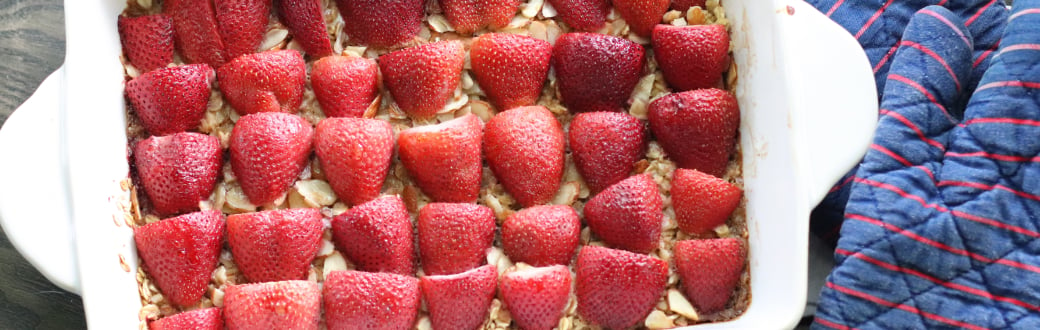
[34, 208]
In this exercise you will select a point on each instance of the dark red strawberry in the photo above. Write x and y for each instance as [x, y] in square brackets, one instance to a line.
[710, 270]
[605, 146]
[268, 151]
[171, 100]
[684, 5]
[345, 86]
[195, 31]
[460, 301]
[200, 319]
[536, 297]
[524, 148]
[697, 129]
[510, 68]
[542, 235]
[355, 156]
[242, 24]
[273, 305]
[617, 289]
[454, 237]
[468, 16]
[381, 23]
[702, 201]
[264, 82]
[180, 253]
[692, 57]
[596, 72]
[377, 236]
[444, 159]
[275, 245]
[584, 15]
[178, 171]
[147, 40]
[360, 300]
[641, 15]
[423, 78]
[306, 21]
[627, 215]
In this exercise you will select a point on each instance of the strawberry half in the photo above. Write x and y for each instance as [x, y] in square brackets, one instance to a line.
[195, 31]
[273, 305]
[178, 171]
[641, 15]
[181, 253]
[596, 72]
[617, 289]
[377, 236]
[702, 201]
[710, 270]
[454, 237]
[510, 68]
[345, 86]
[199, 319]
[584, 15]
[628, 214]
[524, 148]
[536, 297]
[268, 151]
[355, 156]
[697, 129]
[468, 16]
[423, 78]
[542, 235]
[360, 300]
[381, 23]
[684, 5]
[605, 146]
[264, 82]
[171, 100]
[147, 40]
[242, 25]
[306, 22]
[275, 245]
[692, 57]
[460, 301]
[427, 151]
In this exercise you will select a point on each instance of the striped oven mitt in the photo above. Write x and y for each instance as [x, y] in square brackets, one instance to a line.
[942, 227]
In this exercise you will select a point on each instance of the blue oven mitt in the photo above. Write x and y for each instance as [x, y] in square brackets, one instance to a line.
[942, 227]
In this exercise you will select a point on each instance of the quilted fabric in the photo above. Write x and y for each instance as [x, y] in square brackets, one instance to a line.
[942, 225]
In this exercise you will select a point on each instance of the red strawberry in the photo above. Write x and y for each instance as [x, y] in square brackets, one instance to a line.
[444, 159]
[617, 289]
[147, 40]
[275, 245]
[264, 82]
[273, 305]
[596, 72]
[524, 147]
[605, 145]
[242, 24]
[542, 235]
[171, 100]
[454, 237]
[195, 31]
[200, 319]
[584, 15]
[355, 155]
[381, 23]
[345, 86]
[180, 253]
[268, 151]
[468, 16]
[360, 300]
[698, 129]
[178, 171]
[423, 78]
[684, 5]
[628, 214]
[377, 236]
[460, 301]
[702, 201]
[306, 20]
[709, 270]
[510, 68]
[692, 57]
[642, 15]
[536, 297]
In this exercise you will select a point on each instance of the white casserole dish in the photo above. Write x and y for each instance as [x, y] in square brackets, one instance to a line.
[808, 110]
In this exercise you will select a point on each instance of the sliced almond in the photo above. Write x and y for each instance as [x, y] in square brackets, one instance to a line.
[333, 262]
[316, 193]
[548, 11]
[658, 320]
[439, 23]
[275, 38]
[678, 304]
[532, 8]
